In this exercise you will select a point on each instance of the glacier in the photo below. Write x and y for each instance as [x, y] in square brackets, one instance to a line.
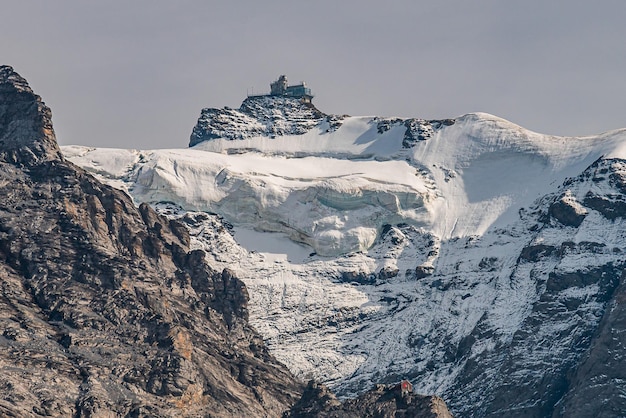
[468, 255]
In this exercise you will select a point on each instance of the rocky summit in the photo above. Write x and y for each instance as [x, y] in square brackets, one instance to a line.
[261, 116]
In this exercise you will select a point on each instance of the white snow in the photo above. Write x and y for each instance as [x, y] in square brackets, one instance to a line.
[274, 246]
[309, 213]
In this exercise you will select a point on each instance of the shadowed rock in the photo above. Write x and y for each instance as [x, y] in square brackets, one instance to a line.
[384, 401]
[26, 134]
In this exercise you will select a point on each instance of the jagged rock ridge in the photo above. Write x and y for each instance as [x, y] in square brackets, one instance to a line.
[415, 129]
[273, 116]
[26, 131]
[261, 116]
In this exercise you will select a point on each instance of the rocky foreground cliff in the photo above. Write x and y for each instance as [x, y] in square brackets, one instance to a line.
[105, 311]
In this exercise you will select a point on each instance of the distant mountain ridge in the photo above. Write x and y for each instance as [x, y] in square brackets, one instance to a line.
[479, 260]
[272, 116]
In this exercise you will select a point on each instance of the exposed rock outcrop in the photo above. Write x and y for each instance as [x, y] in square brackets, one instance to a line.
[415, 130]
[26, 135]
[279, 115]
[261, 116]
[384, 401]
[568, 211]
[596, 387]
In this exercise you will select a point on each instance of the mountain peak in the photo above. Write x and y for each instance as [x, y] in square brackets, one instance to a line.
[264, 115]
[10, 77]
[26, 133]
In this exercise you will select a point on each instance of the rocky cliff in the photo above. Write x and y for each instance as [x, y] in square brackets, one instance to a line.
[261, 116]
[104, 309]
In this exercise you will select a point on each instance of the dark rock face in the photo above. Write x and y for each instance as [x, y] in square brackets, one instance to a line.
[422, 130]
[596, 387]
[415, 129]
[564, 211]
[26, 135]
[261, 116]
[380, 402]
[611, 207]
[539, 397]
[534, 253]
[104, 309]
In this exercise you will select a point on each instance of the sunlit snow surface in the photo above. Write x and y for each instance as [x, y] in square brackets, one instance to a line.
[329, 228]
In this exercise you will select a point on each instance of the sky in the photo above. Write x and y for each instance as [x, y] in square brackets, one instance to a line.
[135, 74]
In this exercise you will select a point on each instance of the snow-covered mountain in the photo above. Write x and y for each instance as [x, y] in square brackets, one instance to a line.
[478, 259]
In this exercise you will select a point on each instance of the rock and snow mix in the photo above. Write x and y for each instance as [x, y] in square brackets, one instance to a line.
[475, 257]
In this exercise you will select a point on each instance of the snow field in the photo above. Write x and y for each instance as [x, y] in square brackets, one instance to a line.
[318, 216]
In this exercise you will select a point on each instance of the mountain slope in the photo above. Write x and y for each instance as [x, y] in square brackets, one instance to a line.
[478, 259]
[106, 311]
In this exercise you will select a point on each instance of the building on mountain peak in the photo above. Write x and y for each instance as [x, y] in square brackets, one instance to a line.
[281, 87]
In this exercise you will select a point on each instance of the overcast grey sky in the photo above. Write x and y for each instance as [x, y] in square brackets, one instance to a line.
[135, 74]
